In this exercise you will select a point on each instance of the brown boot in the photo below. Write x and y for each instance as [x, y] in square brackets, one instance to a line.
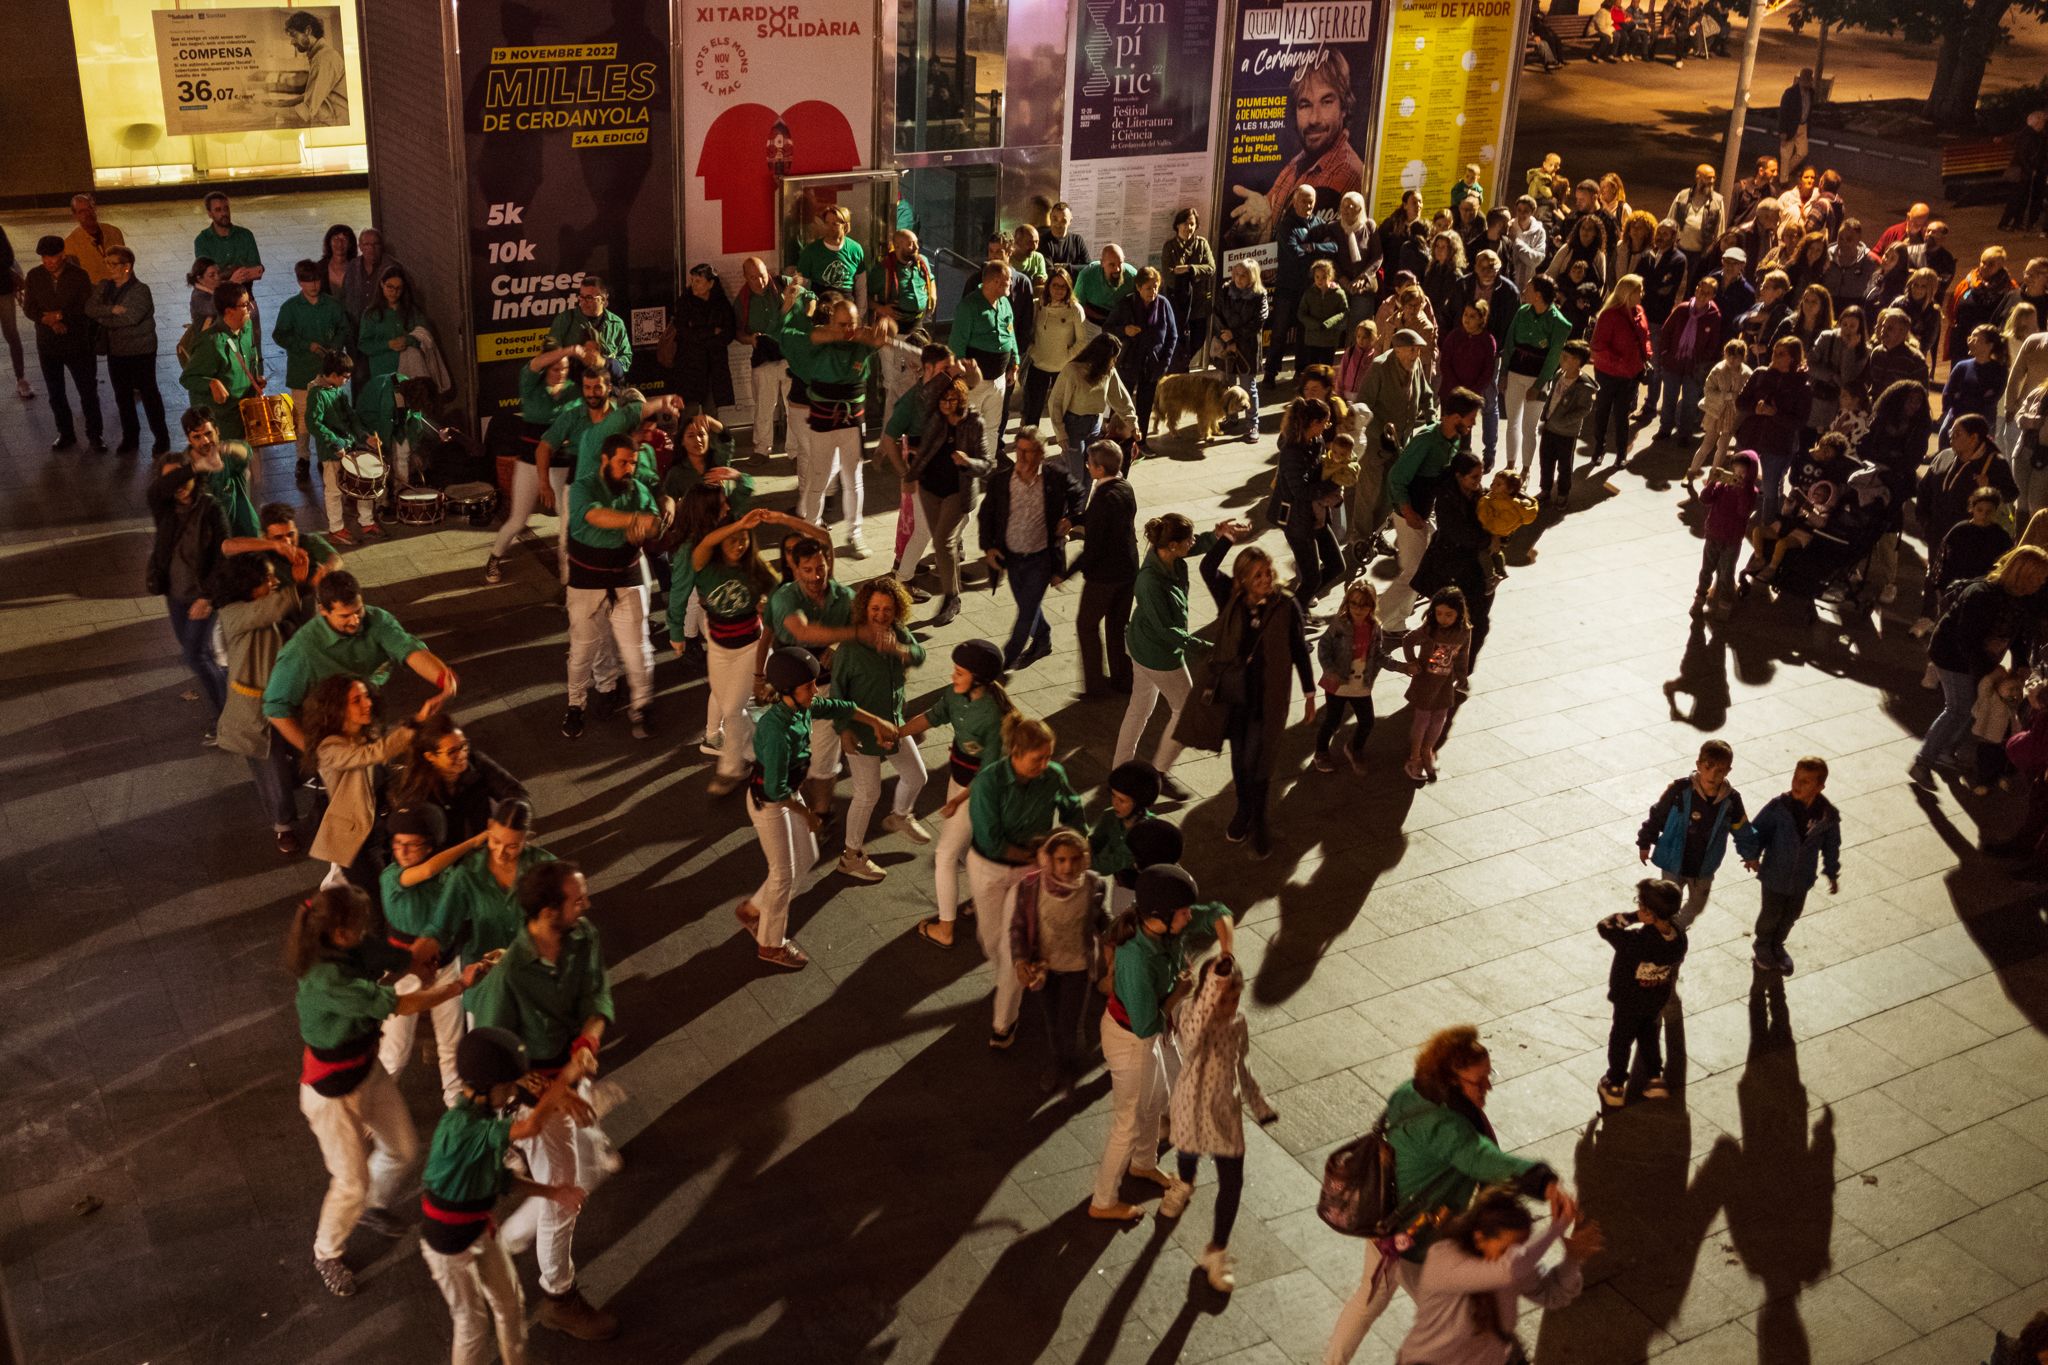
[573, 1314]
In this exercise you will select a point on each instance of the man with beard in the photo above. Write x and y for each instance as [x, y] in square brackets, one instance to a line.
[900, 284]
[226, 466]
[593, 315]
[231, 248]
[612, 512]
[351, 639]
[1323, 101]
[579, 436]
[324, 101]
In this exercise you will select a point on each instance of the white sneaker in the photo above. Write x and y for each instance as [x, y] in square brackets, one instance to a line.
[856, 548]
[854, 863]
[909, 826]
[1222, 1274]
[1176, 1201]
[711, 745]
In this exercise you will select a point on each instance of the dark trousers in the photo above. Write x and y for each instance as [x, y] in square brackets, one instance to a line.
[1555, 451]
[1479, 607]
[1642, 1034]
[1142, 378]
[1780, 911]
[1105, 612]
[1285, 329]
[85, 376]
[1065, 998]
[1611, 411]
[1229, 1191]
[277, 782]
[1318, 561]
[195, 644]
[1333, 720]
[1037, 387]
[134, 377]
[1315, 355]
[1251, 763]
[1193, 333]
[2022, 204]
[1030, 575]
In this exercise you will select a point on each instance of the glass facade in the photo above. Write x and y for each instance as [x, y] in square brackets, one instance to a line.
[124, 108]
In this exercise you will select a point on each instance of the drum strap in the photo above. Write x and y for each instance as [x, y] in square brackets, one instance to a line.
[241, 363]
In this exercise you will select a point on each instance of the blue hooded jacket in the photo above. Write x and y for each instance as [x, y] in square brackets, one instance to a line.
[1792, 859]
[1671, 817]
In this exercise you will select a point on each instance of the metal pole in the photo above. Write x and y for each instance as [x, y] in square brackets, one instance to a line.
[1731, 161]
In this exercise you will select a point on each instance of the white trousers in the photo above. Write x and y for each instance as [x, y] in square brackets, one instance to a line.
[791, 848]
[825, 747]
[305, 451]
[823, 457]
[559, 1154]
[867, 788]
[993, 905]
[1148, 685]
[771, 389]
[693, 616]
[1717, 436]
[1365, 1305]
[920, 540]
[1399, 598]
[956, 835]
[525, 499]
[337, 504]
[366, 1142]
[730, 673]
[558, 480]
[987, 399]
[1138, 1096]
[395, 1049]
[482, 1292]
[619, 614]
[1523, 420]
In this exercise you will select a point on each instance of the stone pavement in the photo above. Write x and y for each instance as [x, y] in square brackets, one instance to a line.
[831, 1166]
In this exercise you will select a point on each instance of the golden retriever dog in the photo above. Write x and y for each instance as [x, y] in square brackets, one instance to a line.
[1204, 397]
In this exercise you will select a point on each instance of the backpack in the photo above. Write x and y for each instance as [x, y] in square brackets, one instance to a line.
[190, 338]
[1359, 1197]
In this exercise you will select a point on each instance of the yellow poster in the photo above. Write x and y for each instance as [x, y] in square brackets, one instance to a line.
[1450, 68]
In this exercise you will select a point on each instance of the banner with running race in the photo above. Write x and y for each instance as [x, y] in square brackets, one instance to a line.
[1451, 66]
[1140, 143]
[249, 70]
[566, 120]
[1302, 82]
[768, 91]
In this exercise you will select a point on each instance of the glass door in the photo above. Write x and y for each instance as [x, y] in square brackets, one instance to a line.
[953, 210]
[868, 198]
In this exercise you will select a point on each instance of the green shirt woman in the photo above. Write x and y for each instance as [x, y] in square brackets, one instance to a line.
[1158, 636]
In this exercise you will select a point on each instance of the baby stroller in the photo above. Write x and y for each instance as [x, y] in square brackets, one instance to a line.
[1845, 523]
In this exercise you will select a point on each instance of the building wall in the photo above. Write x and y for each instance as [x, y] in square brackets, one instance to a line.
[417, 194]
[44, 155]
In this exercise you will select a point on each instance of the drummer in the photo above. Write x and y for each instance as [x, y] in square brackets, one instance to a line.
[227, 362]
[339, 434]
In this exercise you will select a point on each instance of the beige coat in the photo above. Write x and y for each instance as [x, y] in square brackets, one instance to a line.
[349, 768]
[250, 636]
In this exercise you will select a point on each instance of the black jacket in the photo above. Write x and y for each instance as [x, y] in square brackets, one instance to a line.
[1501, 302]
[1458, 547]
[1070, 251]
[1109, 538]
[704, 328]
[992, 522]
[163, 501]
[1241, 313]
[468, 807]
[66, 292]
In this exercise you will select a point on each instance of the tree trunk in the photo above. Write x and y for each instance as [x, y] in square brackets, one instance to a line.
[1960, 63]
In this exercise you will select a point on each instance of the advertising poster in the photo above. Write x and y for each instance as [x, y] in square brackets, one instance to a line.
[1302, 83]
[767, 92]
[245, 70]
[1450, 72]
[1140, 140]
[566, 119]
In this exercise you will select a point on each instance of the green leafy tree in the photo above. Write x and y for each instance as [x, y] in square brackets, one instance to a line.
[1963, 33]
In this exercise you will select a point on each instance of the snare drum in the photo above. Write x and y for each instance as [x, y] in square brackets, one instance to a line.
[472, 500]
[362, 475]
[419, 507]
[268, 419]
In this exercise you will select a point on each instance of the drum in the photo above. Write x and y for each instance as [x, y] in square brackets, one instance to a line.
[362, 475]
[472, 500]
[419, 507]
[268, 419]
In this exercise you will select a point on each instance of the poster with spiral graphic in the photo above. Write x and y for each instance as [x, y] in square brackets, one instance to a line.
[1141, 82]
[1449, 76]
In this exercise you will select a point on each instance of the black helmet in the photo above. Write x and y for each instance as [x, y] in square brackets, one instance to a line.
[790, 668]
[489, 1057]
[1153, 841]
[981, 658]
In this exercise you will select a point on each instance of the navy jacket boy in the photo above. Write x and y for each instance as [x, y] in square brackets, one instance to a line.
[1801, 834]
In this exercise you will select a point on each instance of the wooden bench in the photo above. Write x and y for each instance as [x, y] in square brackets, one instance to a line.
[1571, 30]
[1969, 166]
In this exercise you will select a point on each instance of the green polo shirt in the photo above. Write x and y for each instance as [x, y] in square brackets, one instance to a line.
[873, 682]
[376, 330]
[1033, 266]
[466, 1160]
[1109, 850]
[1426, 456]
[415, 911]
[230, 488]
[1006, 811]
[332, 420]
[582, 440]
[613, 338]
[316, 650]
[911, 297]
[791, 600]
[1096, 292]
[1157, 636]
[539, 404]
[1146, 967]
[906, 419]
[339, 1001]
[480, 916]
[544, 1002]
[593, 492]
[235, 360]
[825, 267]
[977, 731]
[300, 326]
[231, 252]
[984, 326]
[782, 745]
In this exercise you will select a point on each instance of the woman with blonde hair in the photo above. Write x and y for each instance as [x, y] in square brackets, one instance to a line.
[1444, 1151]
[1057, 335]
[1444, 279]
[1239, 319]
[1988, 615]
[1621, 352]
[1921, 305]
[1635, 250]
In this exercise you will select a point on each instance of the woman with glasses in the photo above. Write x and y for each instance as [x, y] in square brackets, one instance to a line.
[1443, 1145]
[442, 769]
